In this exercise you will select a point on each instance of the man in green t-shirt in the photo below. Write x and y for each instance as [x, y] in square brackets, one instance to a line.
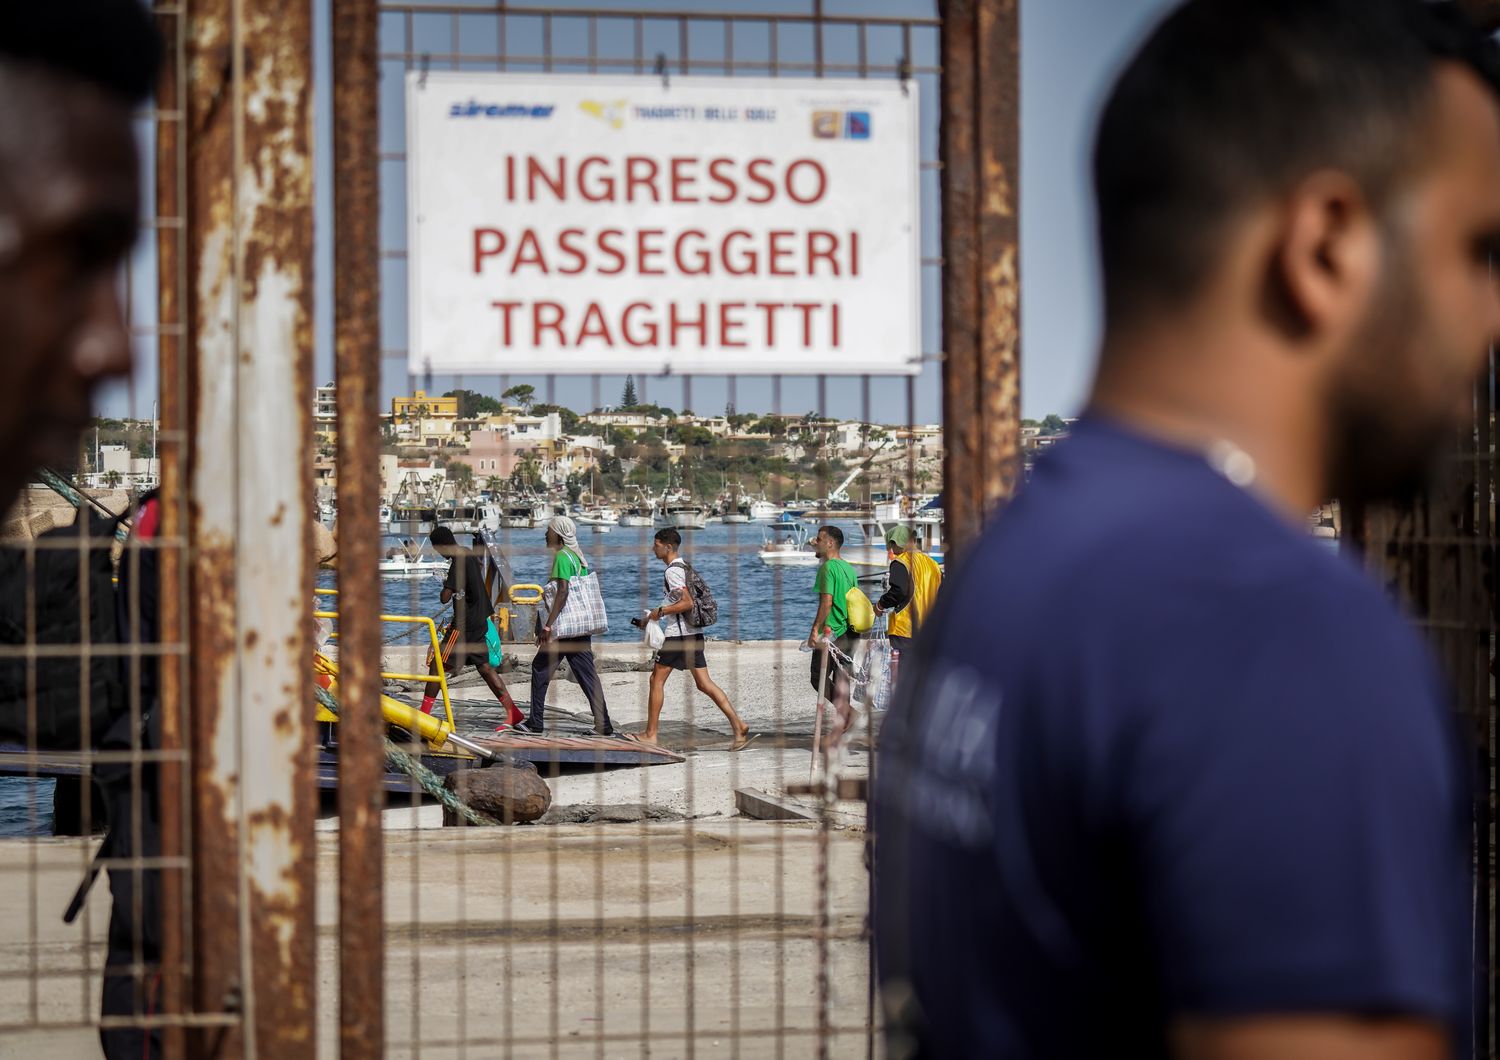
[835, 578]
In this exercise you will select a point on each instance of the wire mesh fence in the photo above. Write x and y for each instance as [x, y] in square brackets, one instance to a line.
[1437, 554]
[650, 913]
[648, 910]
[705, 890]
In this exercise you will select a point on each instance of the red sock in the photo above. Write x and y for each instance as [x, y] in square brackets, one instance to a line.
[427, 702]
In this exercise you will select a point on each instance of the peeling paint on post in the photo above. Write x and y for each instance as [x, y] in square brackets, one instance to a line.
[172, 624]
[356, 241]
[250, 261]
[980, 151]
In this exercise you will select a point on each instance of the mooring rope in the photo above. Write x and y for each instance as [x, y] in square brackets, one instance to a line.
[426, 779]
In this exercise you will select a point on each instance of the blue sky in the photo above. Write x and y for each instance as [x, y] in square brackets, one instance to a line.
[1070, 50]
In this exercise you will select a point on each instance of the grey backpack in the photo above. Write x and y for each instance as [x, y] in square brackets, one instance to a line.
[705, 610]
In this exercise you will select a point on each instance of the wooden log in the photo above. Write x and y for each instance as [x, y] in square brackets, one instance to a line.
[511, 794]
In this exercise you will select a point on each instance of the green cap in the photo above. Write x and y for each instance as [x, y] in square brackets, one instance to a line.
[898, 537]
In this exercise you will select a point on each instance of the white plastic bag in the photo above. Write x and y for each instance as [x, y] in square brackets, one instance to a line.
[652, 635]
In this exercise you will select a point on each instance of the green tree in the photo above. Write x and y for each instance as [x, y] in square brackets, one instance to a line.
[522, 394]
[471, 404]
[628, 399]
[1054, 424]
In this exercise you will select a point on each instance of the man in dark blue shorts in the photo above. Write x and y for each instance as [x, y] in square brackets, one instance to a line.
[1168, 776]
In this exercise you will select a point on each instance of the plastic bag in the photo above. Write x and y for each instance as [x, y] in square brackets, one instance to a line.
[492, 642]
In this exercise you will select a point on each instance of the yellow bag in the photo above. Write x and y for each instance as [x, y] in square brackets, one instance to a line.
[861, 612]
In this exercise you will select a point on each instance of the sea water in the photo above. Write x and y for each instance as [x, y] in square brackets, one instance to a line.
[756, 601]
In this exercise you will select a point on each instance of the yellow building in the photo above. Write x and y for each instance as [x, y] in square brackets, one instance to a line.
[420, 406]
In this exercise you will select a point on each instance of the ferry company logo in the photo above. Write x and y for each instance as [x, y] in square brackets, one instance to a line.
[611, 112]
[475, 109]
[841, 124]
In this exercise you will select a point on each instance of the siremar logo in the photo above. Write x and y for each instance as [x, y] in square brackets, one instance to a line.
[476, 109]
[610, 112]
[841, 124]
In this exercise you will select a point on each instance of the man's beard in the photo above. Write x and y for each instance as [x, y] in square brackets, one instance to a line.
[1381, 446]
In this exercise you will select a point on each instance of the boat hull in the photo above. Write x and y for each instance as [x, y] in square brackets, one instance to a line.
[788, 559]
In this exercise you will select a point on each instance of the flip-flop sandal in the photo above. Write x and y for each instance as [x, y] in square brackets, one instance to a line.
[740, 745]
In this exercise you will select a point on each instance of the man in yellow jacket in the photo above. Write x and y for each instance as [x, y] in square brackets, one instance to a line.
[914, 580]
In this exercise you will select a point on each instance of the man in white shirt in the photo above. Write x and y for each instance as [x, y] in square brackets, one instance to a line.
[683, 648]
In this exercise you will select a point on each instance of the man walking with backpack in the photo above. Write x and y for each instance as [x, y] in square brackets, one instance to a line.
[688, 608]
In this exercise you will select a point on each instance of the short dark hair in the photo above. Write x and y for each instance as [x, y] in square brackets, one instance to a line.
[668, 535]
[111, 44]
[834, 534]
[1231, 101]
[441, 535]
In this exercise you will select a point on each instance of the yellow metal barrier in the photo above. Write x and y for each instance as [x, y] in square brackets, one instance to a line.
[534, 593]
[442, 674]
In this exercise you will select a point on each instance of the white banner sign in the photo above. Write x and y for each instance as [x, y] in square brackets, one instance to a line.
[565, 223]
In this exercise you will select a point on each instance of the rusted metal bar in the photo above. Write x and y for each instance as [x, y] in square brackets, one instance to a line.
[981, 270]
[998, 138]
[356, 272]
[172, 606]
[250, 479]
[960, 274]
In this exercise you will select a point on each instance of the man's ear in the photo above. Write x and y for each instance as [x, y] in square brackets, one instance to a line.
[1327, 255]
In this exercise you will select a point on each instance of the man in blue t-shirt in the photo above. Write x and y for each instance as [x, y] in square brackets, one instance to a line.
[1167, 776]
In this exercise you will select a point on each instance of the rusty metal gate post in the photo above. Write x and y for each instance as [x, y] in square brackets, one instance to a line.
[981, 253]
[249, 351]
[356, 257]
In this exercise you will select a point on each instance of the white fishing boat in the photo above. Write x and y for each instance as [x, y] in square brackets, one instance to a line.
[414, 520]
[403, 557]
[786, 545]
[642, 512]
[601, 528]
[740, 514]
[516, 516]
[764, 511]
[924, 517]
[687, 516]
[601, 515]
[467, 518]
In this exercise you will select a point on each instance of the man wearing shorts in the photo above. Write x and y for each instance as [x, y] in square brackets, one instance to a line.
[683, 648]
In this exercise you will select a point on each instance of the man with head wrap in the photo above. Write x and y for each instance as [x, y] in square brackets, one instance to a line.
[567, 563]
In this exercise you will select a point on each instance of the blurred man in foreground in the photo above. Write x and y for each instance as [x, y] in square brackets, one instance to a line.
[69, 195]
[1170, 778]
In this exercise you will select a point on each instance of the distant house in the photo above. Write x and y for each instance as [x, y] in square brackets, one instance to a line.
[635, 421]
[422, 405]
